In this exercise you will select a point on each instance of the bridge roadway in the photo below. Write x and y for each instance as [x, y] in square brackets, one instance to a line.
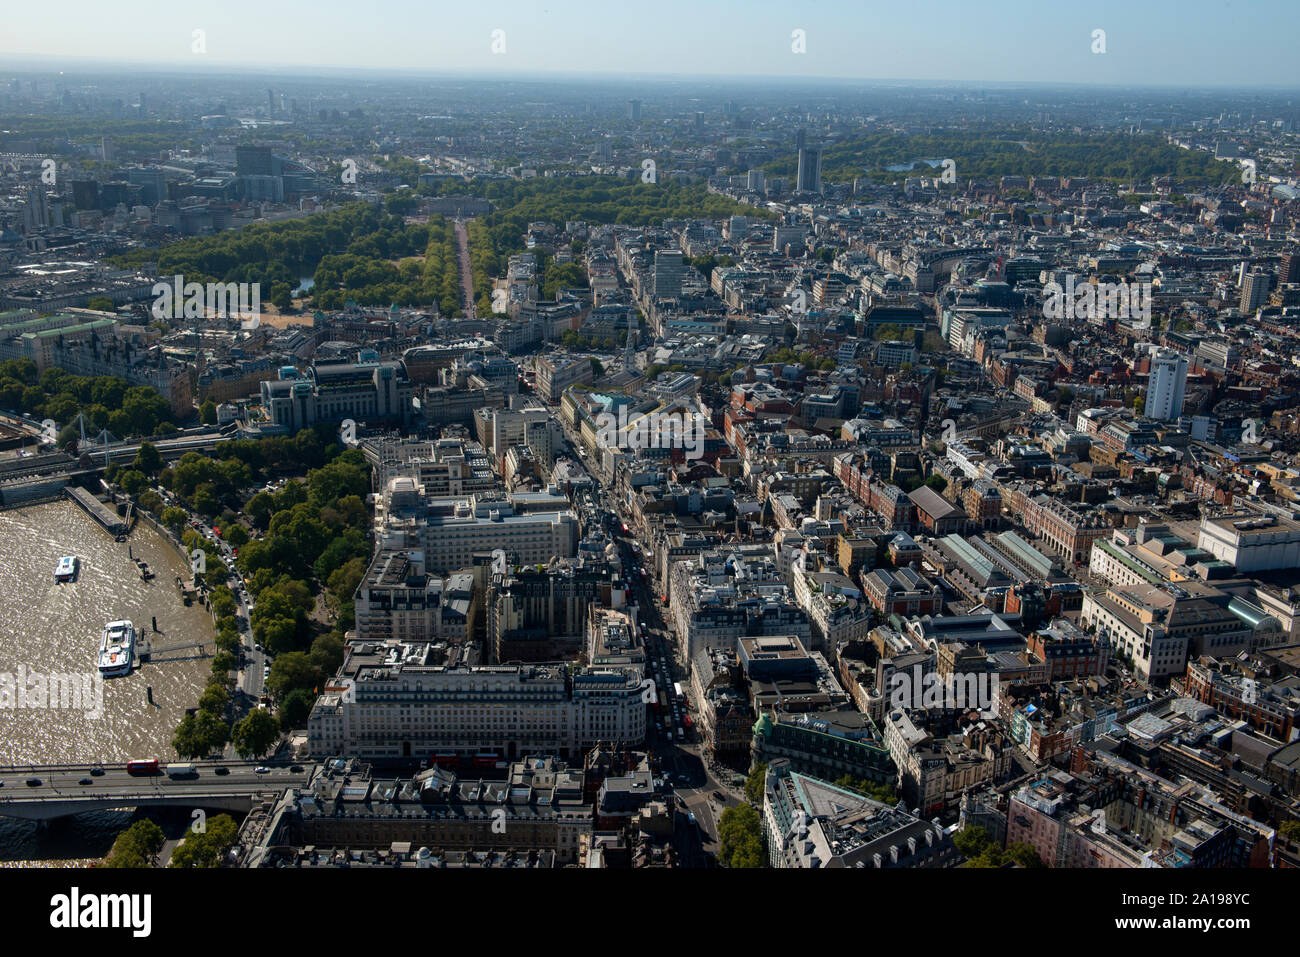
[168, 448]
[55, 462]
[60, 792]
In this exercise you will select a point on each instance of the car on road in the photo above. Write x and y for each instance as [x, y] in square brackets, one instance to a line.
[84, 781]
[262, 770]
[720, 796]
[33, 782]
[96, 772]
[296, 769]
[222, 771]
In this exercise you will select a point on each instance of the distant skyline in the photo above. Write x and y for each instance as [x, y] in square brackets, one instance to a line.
[1182, 43]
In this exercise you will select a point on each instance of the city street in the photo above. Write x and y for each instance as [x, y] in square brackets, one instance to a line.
[250, 678]
[684, 763]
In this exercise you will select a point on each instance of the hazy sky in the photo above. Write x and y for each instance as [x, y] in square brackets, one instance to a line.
[1187, 43]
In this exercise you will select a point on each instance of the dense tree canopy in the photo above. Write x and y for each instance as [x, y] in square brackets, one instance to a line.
[356, 252]
[740, 838]
[206, 848]
[108, 402]
[255, 734]
[137, 846]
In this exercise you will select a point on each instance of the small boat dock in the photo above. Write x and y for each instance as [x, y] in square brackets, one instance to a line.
[113, 523]
[188, 589]
[146, 651]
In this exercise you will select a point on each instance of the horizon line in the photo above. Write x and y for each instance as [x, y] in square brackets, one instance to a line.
[239, 67]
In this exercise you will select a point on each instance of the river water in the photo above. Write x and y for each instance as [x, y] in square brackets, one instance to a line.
[49, 628]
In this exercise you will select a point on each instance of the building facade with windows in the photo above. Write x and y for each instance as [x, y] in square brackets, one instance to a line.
[401, 708]
[368, 391]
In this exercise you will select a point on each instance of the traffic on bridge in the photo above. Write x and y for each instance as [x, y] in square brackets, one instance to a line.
[43, 792]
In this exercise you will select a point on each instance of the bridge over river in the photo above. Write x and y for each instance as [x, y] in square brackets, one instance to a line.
[45, 792]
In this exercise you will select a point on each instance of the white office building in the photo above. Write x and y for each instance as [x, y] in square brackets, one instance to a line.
[1166, 386]
[1252, 543]
[451, 531]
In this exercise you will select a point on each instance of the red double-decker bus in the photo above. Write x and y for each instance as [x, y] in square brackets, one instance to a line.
[142, 766]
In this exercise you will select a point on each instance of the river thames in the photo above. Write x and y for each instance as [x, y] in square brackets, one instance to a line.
[49, 629]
